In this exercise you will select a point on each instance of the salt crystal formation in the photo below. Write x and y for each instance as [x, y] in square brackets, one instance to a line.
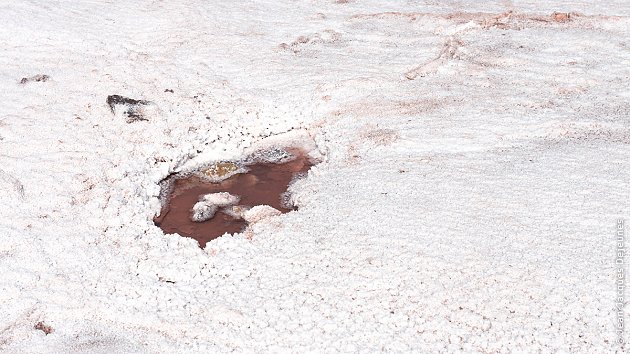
[260, 212]
[236, 211]
[208, 205]
[203, 211]
[221, 199]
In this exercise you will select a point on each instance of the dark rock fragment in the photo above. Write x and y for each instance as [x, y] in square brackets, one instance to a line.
[35, 78]
[133, 110]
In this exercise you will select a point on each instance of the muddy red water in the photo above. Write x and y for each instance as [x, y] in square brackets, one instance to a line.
[264, 184]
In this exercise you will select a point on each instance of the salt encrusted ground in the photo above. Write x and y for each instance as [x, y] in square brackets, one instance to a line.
[475, 164]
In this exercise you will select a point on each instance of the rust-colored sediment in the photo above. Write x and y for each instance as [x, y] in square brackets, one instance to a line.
[263, 184]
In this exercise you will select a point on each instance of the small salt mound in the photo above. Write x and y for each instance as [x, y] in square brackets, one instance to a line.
[260, 212]
[203, 211]
[221, 199]
[208, 205]
[235, 211]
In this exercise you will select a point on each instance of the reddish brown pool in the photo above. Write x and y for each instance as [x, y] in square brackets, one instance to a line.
[264, 184]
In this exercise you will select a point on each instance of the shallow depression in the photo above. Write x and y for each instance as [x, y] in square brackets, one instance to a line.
[265, 183]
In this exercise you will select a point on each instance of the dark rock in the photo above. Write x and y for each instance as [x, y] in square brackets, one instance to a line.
[132, 109]
[44, 328]
[36, 78]
[114, 100]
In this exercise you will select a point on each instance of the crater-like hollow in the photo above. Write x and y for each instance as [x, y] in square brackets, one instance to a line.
[225, 196]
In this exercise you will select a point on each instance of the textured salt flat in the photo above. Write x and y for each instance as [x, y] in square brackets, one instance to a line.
[474, 165]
